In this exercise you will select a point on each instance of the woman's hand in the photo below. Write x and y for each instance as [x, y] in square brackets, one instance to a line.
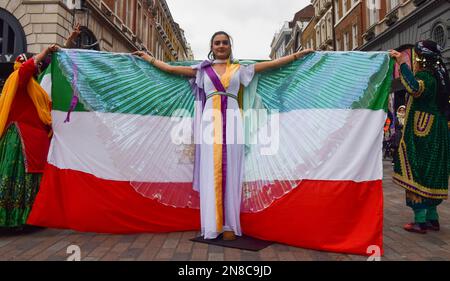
[303, 53]
[47, 51]
[399, 57]
[143, 55]
[71, 40]
[75, 32]
[263, 66]
[53, 48]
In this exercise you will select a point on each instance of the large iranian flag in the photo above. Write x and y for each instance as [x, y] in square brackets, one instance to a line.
[331, 109]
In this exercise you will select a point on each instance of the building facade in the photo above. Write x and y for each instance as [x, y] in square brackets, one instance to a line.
[408, 21]
[349, 24]
[298, 25]
[379, 25]
[280, 41]
[382, 15]
[309, 35]
[399, 24]
[107, 25]
[324, 24]
[289, 39]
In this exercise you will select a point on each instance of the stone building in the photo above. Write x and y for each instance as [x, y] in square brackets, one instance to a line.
[107, 25]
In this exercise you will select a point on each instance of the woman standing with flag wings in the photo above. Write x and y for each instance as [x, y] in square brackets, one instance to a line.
[218, 132]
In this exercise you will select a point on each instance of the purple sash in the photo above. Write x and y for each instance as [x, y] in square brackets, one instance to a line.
[214, 79]
[223, 107]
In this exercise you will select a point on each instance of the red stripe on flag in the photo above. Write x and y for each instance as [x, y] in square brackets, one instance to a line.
[339, 216]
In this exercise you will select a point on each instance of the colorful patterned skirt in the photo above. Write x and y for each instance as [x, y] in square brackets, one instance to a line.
[18, 189]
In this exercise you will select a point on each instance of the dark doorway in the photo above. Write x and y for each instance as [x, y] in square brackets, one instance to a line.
[12, 43]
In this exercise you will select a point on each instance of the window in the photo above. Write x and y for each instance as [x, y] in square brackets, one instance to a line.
[157, 49]
[338, 44]
[344, 7]
[12, 37]
[393, 4]
[329, 27]
[118, 8]
[145, 31]
[346, 42]
[129, 13]
[372, 12]
[318, 36]
[139, 21]
[355, 36]
[438, 35]
[323, 33]
[1, 35]
[336, 9]
[150, 36]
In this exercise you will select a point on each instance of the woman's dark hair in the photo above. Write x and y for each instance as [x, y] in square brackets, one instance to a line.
[430, 58]
[211, 54]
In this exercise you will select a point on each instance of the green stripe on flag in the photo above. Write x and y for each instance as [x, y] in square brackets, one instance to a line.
[61, 89]
[340, 80]
[121, 83]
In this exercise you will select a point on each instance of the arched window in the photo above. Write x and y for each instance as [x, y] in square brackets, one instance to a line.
[439, 35]
[12, 37]
[87, 40]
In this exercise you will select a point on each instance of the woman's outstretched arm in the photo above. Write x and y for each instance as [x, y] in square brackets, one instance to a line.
[180, 70]
[262, 66]
[41, 56]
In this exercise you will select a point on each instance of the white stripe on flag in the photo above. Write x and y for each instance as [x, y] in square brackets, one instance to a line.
[78, 145]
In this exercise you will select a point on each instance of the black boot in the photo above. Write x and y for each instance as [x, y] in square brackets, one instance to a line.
[433, 225]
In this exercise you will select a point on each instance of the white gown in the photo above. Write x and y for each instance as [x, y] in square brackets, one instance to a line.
[210, 209]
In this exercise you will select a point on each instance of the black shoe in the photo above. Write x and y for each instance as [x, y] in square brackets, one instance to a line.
[433, 225]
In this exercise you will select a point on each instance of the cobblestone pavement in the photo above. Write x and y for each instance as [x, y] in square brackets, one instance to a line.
[51, 244]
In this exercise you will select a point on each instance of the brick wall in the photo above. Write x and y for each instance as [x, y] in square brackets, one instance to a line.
[345, 25]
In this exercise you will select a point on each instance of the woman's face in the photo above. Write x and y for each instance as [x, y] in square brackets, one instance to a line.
[221, 47]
